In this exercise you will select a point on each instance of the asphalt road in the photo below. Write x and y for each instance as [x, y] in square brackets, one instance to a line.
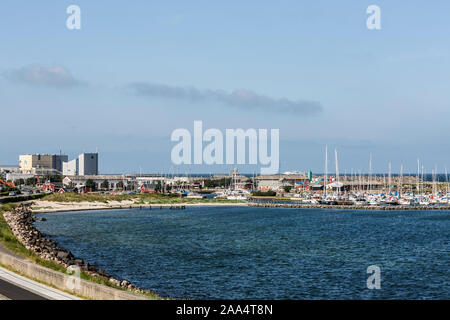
[17, 287]
[13, 292]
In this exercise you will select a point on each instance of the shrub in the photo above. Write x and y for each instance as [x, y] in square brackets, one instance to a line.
[269, 193]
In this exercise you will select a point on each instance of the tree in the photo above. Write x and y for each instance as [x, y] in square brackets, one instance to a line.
[158, 186]
[268, 193]
[52, 178]
[210, 184]
[287, 189]
[214, 183]
[90, 184]
[31, 181]
[105, 185]
[19, 182]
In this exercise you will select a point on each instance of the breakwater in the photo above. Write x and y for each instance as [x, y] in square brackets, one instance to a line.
[348, 207]
[21, 220]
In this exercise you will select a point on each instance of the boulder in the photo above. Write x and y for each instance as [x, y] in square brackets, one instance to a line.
[125, 283]
[114, 281]
[62, 255]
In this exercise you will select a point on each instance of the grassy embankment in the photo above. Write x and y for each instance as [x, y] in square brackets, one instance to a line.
[20, 198]
[143, 199]
[8, 239]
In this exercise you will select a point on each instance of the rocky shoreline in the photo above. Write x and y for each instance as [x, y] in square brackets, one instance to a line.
[21, 223]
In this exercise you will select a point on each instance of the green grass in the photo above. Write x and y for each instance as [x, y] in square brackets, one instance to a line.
[10, 242]
[8, 239]
[143, 198]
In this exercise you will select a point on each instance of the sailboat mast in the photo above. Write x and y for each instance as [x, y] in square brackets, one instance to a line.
[446, 181]
[418, 173]
[389, 178]
[370, 172]
[326, 172]
[435, 191]
[337, 165]
[400, 180]
[423, 180]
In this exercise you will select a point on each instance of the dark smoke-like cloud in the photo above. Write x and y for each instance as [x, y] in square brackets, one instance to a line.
[240, 98]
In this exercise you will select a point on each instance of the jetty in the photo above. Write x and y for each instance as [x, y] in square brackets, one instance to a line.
[347, 207]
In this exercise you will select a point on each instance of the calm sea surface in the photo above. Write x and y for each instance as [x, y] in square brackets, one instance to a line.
[264, 253]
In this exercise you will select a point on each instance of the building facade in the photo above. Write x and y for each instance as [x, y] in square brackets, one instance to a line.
[86, 164]
[42, 163]
[278, 181]
[70, 168]
[114, 181]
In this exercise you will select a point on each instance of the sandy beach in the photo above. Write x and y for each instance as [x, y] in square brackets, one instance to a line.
[42, 206]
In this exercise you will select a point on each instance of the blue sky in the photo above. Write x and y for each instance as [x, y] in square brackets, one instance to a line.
[383, 91]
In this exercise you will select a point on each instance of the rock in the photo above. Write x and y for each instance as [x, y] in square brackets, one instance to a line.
[103, 273]
[114, 282]
[43, 219]
[125, 283]
[62, 255]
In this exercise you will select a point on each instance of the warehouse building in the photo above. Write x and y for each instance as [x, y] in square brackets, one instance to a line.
[42, 163]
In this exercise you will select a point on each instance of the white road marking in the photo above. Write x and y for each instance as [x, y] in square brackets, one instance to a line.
[3, 298]
[35, 287]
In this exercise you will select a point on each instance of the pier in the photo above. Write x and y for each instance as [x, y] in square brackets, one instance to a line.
[172, 207]
[348, 207]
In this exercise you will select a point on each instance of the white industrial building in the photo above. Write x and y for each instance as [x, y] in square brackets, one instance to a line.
[70, 168]
[86, 164]
[113, 181]
[13, 176]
